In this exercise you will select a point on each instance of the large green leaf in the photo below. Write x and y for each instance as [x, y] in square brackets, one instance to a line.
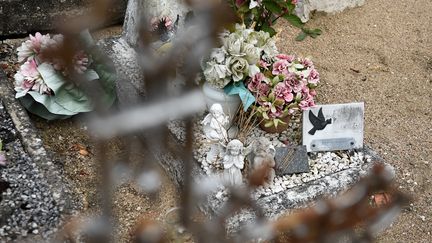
[40, 110]
[66, 94]
[239, 88]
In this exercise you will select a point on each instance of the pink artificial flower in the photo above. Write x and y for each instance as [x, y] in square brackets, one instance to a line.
[32, 47]
[275, 114]
[284, 92]
[258, 85]
[313, 77]
[289, 58]
[263, 64]
[307, 102]
[280, 67]
[29, 69]
[294, 82]
[313, 92]
[306, 62]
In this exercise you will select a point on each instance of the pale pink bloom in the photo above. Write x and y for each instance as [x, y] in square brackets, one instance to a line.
[307, 102]
[275, 113]
[306, 62]
[289, 58]
[294, 82]
[313, 77]
[29, 69]
[284, 92]
[313, 92]
[258, 85]
[32, 47]
[294, 2]
[280, 67]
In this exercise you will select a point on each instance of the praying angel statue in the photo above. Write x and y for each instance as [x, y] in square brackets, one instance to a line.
[233, 163]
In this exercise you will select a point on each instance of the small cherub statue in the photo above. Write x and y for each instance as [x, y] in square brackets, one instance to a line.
[263, 155]
[233, 163]
[214, 127]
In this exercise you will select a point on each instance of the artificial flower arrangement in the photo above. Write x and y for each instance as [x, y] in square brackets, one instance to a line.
[274, 85]
[238, 59]
[284, 85]
[45, 84]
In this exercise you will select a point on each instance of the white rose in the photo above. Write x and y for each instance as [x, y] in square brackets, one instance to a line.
[238, 67]
[216, 74]
[252, 53]
[233, 44]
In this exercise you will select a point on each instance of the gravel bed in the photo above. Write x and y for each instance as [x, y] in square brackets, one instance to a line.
[321, 164]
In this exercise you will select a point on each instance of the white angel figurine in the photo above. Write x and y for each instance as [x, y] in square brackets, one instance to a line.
[214, 127]
[233, 163]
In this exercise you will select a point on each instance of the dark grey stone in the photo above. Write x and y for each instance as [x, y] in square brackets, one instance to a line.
[291, 160]
[18, 17]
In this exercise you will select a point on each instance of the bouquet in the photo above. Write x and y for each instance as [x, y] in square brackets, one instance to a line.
[238, 59]
[284, 85]
[44, 83]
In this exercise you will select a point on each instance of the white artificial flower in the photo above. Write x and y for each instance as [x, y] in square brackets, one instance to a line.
[252, 53]
[238, 67]
[270, 48]
[218, 54]
[216, 74]
[233, 43]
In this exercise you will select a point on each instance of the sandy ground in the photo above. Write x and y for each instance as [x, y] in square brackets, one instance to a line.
[380, 53]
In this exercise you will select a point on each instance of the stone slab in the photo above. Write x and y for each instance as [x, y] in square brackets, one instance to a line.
[291, 160]
[340, 127]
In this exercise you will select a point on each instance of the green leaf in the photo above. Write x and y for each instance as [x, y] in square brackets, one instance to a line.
[265, 27]
[50, 104]
[272, 7]
[301, 36]
[40, 110]
[239, 88]
[269, 123]
[294, 20]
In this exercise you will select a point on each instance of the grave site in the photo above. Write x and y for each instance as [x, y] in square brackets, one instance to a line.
[215, 121]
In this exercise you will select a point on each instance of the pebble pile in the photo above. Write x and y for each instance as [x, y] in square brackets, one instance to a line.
[27, 204]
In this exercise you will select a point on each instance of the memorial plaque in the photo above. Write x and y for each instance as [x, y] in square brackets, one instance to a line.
[291, 160]
[333, 127]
